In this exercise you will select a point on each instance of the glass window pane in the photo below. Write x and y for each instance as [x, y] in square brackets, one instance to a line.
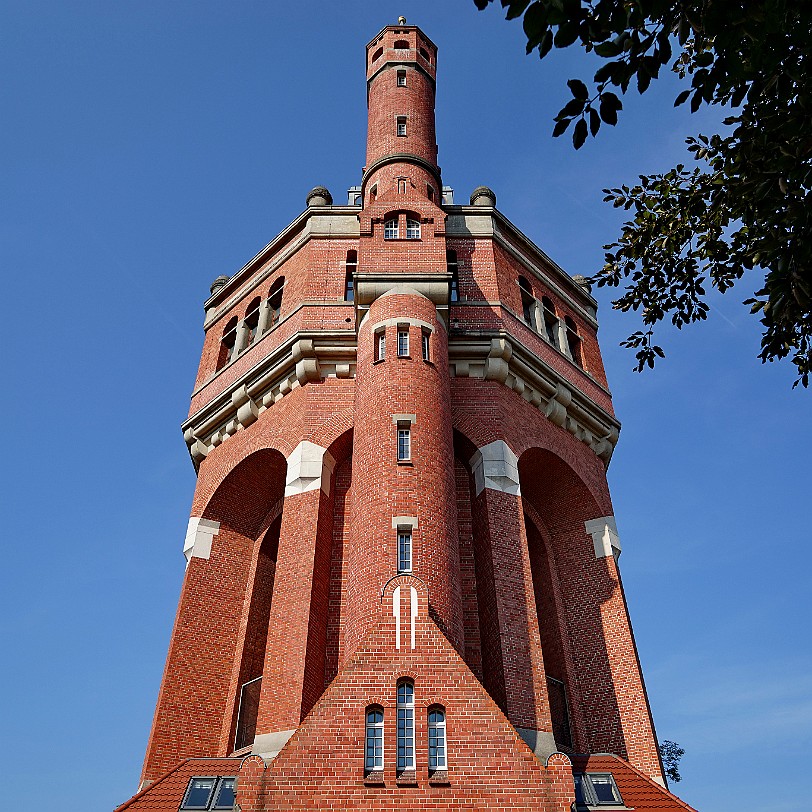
[225, 795]
[604, 788]
[199, 793]
[579, 789]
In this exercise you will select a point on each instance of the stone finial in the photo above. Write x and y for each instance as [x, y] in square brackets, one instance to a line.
[218, 283]
[483, 196]
[581, 281]
[401, 21]
[319, 196]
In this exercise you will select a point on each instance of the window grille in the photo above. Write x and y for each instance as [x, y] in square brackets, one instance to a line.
[403, 343]
[401, 78]
[373, 758]
[412, 230]
[401, 125]
[390, 230]
[437, 747]
[247, 713]
[405, 708]
[404, 443]
[404, 550]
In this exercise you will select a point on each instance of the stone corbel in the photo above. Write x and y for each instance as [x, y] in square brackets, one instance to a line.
[247, 410]
[497, 367]
[495, 466]
[197, 448]
[557, 406]
[604, 536]
[309, 468]
[307, 364]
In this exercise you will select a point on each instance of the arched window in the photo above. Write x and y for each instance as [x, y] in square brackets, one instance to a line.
[227, 343]
[574, 341]
[390, 229]
[437, 745]
[425, 54]
[401, 44]
[550, 320]
[528, 302]
[373, 751]
[275, 302]
[405, 726]
[454, 285]
[378, 53]
[251, 322]
[349, 278]
[412, 229]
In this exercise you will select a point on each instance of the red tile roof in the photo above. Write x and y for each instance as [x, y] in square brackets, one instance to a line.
[637, 790]
[166, 793]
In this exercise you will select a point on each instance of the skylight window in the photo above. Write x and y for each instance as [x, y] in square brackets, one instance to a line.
[596, 789]
[209, 793]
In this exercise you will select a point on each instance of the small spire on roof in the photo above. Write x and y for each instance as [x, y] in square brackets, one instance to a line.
[401, 21]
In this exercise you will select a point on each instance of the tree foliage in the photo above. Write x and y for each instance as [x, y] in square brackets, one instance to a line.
[671, 753]
[745, 204]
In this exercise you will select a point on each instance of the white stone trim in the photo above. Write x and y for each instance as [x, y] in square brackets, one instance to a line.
[404, 521]
[199, 534]
[604, 535]
[495, 466]
[268, 745]
[309, 468]
[404, 418]
[400, 321]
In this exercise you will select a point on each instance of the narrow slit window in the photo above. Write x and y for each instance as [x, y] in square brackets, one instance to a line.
[401, 78]
[251, 322]
[528, 302]
[349, 276]
[430, 192]
[401, 125]
[550, 320]
[373, 757]
[574, 341]
[405, 708]
[404, 442]
[227, 343]
[275, 302]
[412, 229]
[380, 346]
[425, 346]
[390, 229]
[452, 266]
[404, 549]
[437, 742]
[403, 342]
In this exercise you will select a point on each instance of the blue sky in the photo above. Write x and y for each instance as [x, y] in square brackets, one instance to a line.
[148, 147]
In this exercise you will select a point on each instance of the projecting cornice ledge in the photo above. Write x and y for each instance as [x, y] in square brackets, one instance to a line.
[303, 358]
[496, 357]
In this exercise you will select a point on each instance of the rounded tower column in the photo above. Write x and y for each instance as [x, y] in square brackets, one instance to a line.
[403, 509]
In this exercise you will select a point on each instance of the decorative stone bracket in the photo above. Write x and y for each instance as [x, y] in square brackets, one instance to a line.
[495, 466]
[310, 467]
[199, 534]
[604, 535]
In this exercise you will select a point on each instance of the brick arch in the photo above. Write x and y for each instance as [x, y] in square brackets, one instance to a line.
[248, 491]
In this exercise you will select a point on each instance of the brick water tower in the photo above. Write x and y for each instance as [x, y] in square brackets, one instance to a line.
[402, 588]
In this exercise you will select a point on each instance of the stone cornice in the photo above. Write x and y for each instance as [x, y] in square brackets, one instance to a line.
[497, 356]
[305, 357]
[310, 356]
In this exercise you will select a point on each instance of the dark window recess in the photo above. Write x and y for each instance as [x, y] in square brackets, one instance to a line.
[227, 343]
[209, 793]
[275, 301]
[528, 301]
[596, 789]
[349, 279]
[559, 712]
[251, 322]
[452, 266]
[550, 320]
[247, 715]
[574, 341]
[401, 44]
